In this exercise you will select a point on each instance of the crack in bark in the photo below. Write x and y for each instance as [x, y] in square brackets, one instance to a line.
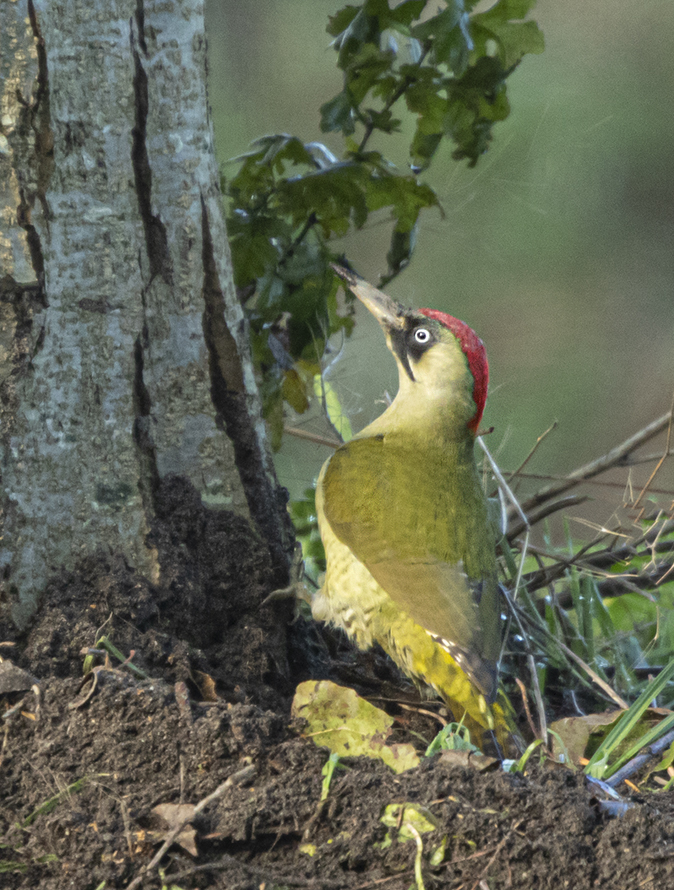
[266, 502]
[148, 479]
[140, 22]
[156, 240]
[23, 217]
[39, 121]
[25, 301]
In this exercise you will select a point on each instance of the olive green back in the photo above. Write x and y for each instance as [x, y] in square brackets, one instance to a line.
[417, 519]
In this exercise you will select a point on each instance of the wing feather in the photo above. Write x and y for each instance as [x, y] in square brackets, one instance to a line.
[423, 533]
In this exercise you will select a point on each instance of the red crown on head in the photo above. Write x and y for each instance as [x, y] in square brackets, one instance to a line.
[476, 354]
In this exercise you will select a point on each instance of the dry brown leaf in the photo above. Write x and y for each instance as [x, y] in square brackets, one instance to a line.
[206, 685]
[479, 762]
[172, 815]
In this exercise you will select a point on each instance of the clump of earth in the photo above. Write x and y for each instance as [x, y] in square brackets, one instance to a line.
[201, 695]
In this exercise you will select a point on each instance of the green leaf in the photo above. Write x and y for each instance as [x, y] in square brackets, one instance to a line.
[294, 391]
[644, 742]
[406, 12]
[404, 195]
[303, 515]
[366, 69]
[518, 766]
[335, 195]
[289, 200]
[452, 737]
[272, 407]
[403, 815]
[332, 406]
[438, 855]
[327, 772]
[401, 250]
[383, 120]
[514, 38]
[252, 246]
[477, 100]
[666, 762]
[337, 114]
[450, 35]
[630, 718]
[512, 9]
[341, 20]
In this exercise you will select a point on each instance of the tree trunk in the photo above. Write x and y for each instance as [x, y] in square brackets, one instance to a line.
[129, 411]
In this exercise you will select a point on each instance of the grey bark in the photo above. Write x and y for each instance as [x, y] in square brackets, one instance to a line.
[123, 348]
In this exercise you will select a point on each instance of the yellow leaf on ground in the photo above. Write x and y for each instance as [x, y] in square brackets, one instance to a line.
[340, 720]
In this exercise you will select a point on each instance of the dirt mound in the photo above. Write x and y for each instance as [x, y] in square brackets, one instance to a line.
[84, 763]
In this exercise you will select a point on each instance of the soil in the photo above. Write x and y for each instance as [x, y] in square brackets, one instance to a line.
[85, 760]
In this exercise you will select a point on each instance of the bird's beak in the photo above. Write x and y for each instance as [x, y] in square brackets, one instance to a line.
[389, 314]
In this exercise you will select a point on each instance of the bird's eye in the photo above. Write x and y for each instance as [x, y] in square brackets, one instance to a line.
[421, 335]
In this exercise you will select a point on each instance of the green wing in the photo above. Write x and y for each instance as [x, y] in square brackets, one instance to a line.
[422, 531]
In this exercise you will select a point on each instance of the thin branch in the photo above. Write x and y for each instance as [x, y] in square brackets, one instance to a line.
[662, 459]
[317, 439]
[614, 585]
[545, 511]
[603, 559]
[609, 556]
[407, 81]
[236, 778]
[309, 223]
[618, 456]
[647, 458]
[607, 483]
[526, 460]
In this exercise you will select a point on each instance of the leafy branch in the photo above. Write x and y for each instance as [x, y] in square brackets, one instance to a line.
[289, 200]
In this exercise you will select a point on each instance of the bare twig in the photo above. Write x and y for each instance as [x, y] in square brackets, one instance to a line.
[662, 459]
[548, 574]
[526, 460]
[610, 556]
[527, 710]
[236, 778]
[639, 582]
[605, 483]
[546, 510]
[505, 489]
[618, 456]
[298, 433]
[504, 840]
[647, 458]
[418, 710]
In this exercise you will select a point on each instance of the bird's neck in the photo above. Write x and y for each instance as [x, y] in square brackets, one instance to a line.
[425, 420]
[434, 404]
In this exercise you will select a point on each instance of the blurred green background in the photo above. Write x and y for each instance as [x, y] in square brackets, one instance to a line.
[558, 248]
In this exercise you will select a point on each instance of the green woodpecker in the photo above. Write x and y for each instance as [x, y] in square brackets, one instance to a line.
[410, 546]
